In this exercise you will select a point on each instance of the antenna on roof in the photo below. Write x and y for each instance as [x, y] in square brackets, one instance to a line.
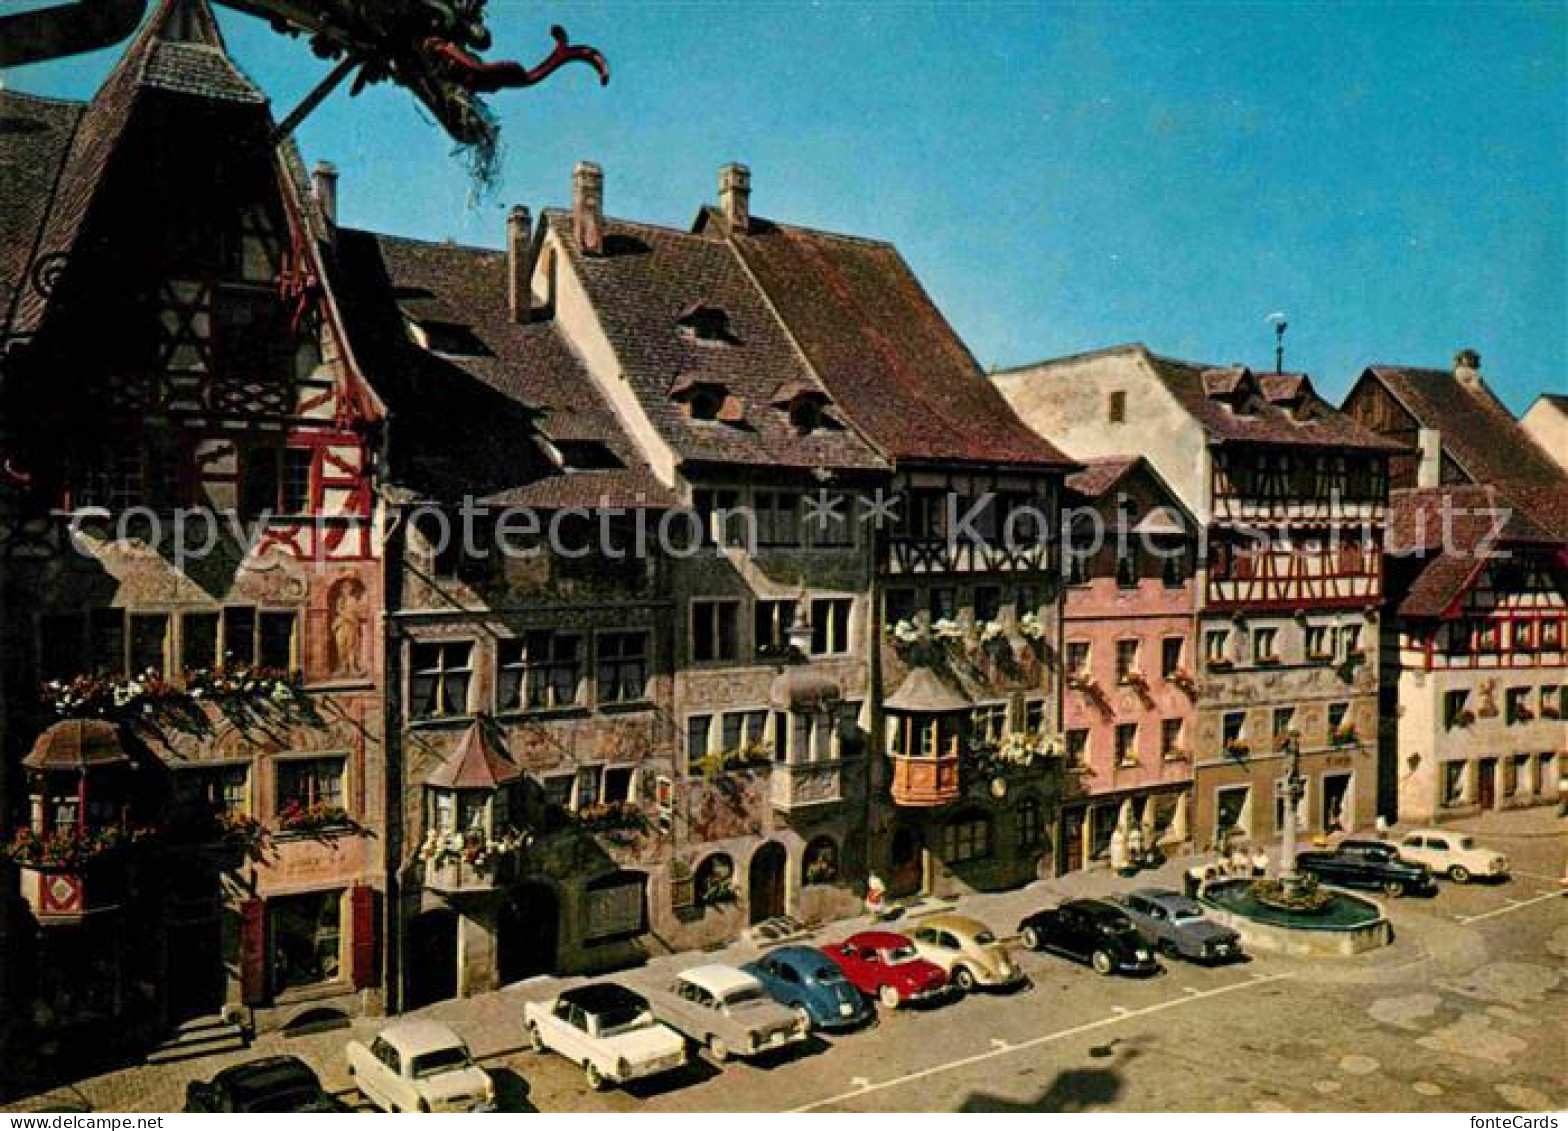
[1280, 326]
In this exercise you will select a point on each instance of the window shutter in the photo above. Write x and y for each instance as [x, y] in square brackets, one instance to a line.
[253, 952]
[363, 941]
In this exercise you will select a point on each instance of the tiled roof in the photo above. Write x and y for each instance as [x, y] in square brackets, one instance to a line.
[178, 50]
[472, 424]
[478, 762]
[35, 134]
[1477, 431]
[1448, 534]
[647, 278]
[885, 352]
[1100, 475]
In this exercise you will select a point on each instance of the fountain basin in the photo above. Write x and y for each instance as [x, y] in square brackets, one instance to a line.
[1347, 924]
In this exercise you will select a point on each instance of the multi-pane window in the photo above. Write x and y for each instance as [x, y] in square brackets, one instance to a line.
[1349, 641]
[1454, 783]
[441, 676]
[1034, 715]
[944, 603]
[778, 518]
[294, 497]
[540, 671]
[198, 641]
[989, 723]
[724, 522]
[1170, 737]
[1265, 645]
[116, 480]
[1337, 713]
[1517, 705]
[699, 732]
[1126, 744]
[1216, 646]
[239, 636]
[1523, 636]
[830, 626]
[216, 789]
[923, 516]
[557, 790]
[1031, 823]
[715, 630]
[744, 728]
[623, 667]
[1077, 660]
[1170, 655]
[966, 839]
[275, 640]
[106, 641]
[305, 936]
[310, 781]
[833, 520]
[149, 640]
[1317, 642]
[770, 625]
[1126, 659]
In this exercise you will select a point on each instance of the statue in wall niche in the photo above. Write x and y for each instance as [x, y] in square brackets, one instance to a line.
[349, 612]
[1488, 706]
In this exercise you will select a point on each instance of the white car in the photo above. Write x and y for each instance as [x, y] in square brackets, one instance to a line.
[1455, 855]
[420, 1066]
[727, 1011]
[608, 1030]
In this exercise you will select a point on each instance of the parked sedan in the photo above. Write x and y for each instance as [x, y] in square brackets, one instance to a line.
[1177, 926]
[886, 966]
[1368, 864]
[1092, 931]
[609, 1030]
[802, 978]
[420, 1066]
[727, 1011]
[1455, 855]
[271, 1084]
[967, 951]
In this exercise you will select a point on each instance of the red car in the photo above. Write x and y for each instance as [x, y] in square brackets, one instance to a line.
[884, 965]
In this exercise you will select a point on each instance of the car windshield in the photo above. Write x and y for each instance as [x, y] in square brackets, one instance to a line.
[441, 1060]
[827, 975]
[1464, 842]
[622, 1019]
[893, 955]
[744, 996]
[984, 938]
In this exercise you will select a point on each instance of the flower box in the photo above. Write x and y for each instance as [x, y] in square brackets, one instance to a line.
[1238, 748]
[316, 817]
[1135, 680]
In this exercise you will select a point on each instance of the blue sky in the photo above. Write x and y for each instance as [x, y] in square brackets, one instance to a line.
[1063, 177]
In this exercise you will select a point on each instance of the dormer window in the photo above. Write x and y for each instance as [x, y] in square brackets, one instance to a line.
[804, 404]
[706, 399]
[709, 325]
[449, 339]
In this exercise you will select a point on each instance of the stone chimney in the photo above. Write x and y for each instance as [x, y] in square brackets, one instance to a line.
[735, 196]
[1467, 370]
[324, 187]
[588, 207]
[1429, 470]
[519, 261]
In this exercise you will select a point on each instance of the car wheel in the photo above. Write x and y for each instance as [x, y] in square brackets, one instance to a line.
[805, 1018]
[1031, 937]
[1393, 889]
[718, 1050]
[595, 1078]
[535, 1038]
[964, 980]
[889, 998]
[1103, 963]
[1459, 874]
[1169, 949]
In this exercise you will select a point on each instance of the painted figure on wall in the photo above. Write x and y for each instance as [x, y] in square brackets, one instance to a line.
[348, 627]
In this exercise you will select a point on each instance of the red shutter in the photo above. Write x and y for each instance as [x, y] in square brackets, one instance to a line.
[253, 952]
[362, 940]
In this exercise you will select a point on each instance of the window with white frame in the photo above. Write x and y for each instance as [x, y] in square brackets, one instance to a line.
[830, 626]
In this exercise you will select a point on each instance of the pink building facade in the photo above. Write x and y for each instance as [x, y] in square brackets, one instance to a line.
[1128, 660]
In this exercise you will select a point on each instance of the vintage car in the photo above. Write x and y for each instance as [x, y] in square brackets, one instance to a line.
[271, 1084]
[420, 1066]
[727, 1011]
[967, 951]
[1176, 926]
[1455, 855]
[1092, 931]
[802, 978]
[885, 965]
[1367, 864]
[607, 1029]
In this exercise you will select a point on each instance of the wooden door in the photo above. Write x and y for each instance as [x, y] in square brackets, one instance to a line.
[1486, 783]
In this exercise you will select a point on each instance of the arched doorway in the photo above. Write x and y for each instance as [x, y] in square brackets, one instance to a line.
[528, 930]
[765, 882]
[432, 958]
[904, 861]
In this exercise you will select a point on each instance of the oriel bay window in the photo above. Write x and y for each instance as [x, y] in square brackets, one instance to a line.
[623, 666]
[441, 676]
[540, 671]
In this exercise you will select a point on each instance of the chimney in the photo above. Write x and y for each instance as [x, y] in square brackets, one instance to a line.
[324, 187]
[588, 207]
[1429, 471]
[1467, 370]
[519, 261]
[735, 196]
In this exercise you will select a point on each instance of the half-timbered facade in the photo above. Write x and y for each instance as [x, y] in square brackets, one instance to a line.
[193, 797]
[1478, 654]
[1129, 658]
[1292, 496]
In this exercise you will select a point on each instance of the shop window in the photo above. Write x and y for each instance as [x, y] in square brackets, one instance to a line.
[541, 671]
[305, 936]
[623, 667]
[715, 632]
[442, 673]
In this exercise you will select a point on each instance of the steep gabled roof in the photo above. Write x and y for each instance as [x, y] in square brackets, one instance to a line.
[1100, 475]
[885, 352]
[35, 136]
[178, 51]
[481, 422]
[641, 288]
[1481, 436]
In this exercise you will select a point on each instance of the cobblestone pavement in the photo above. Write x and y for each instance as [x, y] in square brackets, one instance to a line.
[1466, 1010]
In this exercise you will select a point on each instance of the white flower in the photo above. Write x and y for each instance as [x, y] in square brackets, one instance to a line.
[991, 630]
[906, 632]
[947, 629]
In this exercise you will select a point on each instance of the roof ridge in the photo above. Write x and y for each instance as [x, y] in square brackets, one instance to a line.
[48, 99]
[1102, 351]
[421, 241]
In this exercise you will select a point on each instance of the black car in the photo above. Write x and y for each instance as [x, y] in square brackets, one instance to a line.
[1368, 864]
[1092, 931]
[274, 1083]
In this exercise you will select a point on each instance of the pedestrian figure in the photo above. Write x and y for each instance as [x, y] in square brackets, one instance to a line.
[1260, 861]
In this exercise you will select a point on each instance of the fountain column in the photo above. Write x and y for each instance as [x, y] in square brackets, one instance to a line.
[1290, 789]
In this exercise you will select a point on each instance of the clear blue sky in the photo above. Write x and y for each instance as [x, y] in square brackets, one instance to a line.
[1064, 177]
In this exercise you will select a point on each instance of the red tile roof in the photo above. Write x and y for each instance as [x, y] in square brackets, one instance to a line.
[888, 357]
[478, 762]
